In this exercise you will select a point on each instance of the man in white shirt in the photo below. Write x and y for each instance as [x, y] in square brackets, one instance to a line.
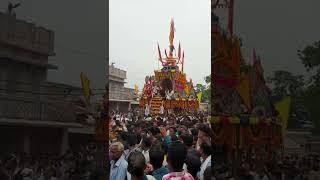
[118, 169]
[204, 135]
[145, 146]
[205, 152]
[147, 110]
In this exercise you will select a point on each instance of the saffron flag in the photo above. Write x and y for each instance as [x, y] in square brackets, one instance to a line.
[186, 89]
[160, 58]
[136, 89]
[182, 61]
[171, 36]
[243, 89]
[199, 95]
[283, 107]
[85, 82]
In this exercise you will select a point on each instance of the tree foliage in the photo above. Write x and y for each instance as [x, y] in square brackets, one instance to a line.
[286, 84]
[205, 89]
[310, 58]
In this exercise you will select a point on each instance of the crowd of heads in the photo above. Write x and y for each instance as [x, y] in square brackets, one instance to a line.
[77, 165]
[166, 147]
[289, 167]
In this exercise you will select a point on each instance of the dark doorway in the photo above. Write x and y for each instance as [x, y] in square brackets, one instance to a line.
[166, 85]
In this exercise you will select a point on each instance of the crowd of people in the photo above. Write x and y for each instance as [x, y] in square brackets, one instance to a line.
[164, 147]
[177, 146]
[77, 165]
[291, 167]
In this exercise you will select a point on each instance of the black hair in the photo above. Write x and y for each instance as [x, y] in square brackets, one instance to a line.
[136, 164]
[156, 154]
[206, 148]
[160, 144]
[146, 141]
[187, 139]
[132, 140]
[154, 131]
[138, 138]
[130, 129]
[117, 123]
[206, 129]
[123, 136]
[174, 138]
[194, 132]
[193, 165]
[177, 153]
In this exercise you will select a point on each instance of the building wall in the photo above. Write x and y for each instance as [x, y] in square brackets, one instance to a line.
[36, 141]
[26, 35]
[120, 96]
[26, 98]
[21, 78]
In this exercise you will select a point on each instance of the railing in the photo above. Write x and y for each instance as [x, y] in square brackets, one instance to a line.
[36, 109]
[121, 95]
[26, 35]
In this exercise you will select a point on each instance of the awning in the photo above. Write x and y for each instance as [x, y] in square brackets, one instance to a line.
[38, 123]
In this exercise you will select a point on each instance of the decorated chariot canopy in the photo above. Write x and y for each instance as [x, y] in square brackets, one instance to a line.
[169, 88]
[239, 85]
[244, 114]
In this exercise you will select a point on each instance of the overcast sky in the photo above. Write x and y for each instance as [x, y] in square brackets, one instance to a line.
[137, 26]
[81, 36]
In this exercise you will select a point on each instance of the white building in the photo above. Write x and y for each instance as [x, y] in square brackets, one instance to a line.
[120, 97]
[35, 115]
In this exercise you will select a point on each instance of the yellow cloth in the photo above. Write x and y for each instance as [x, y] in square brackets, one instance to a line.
[199, 95]
[136, 89]
[283, 107]
[243, 89]
[186, 90]
[85, 86]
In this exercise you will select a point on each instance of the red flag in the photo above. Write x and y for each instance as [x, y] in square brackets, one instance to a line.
[171, 36]
[179, 51]
[182, 60]
[159, 53]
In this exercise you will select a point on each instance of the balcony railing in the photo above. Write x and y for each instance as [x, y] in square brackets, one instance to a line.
[36, 109]
[121, 95]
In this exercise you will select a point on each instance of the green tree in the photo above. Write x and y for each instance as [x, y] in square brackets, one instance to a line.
[310, 58]
[207, 93]
[287, 84]
[205, 89]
